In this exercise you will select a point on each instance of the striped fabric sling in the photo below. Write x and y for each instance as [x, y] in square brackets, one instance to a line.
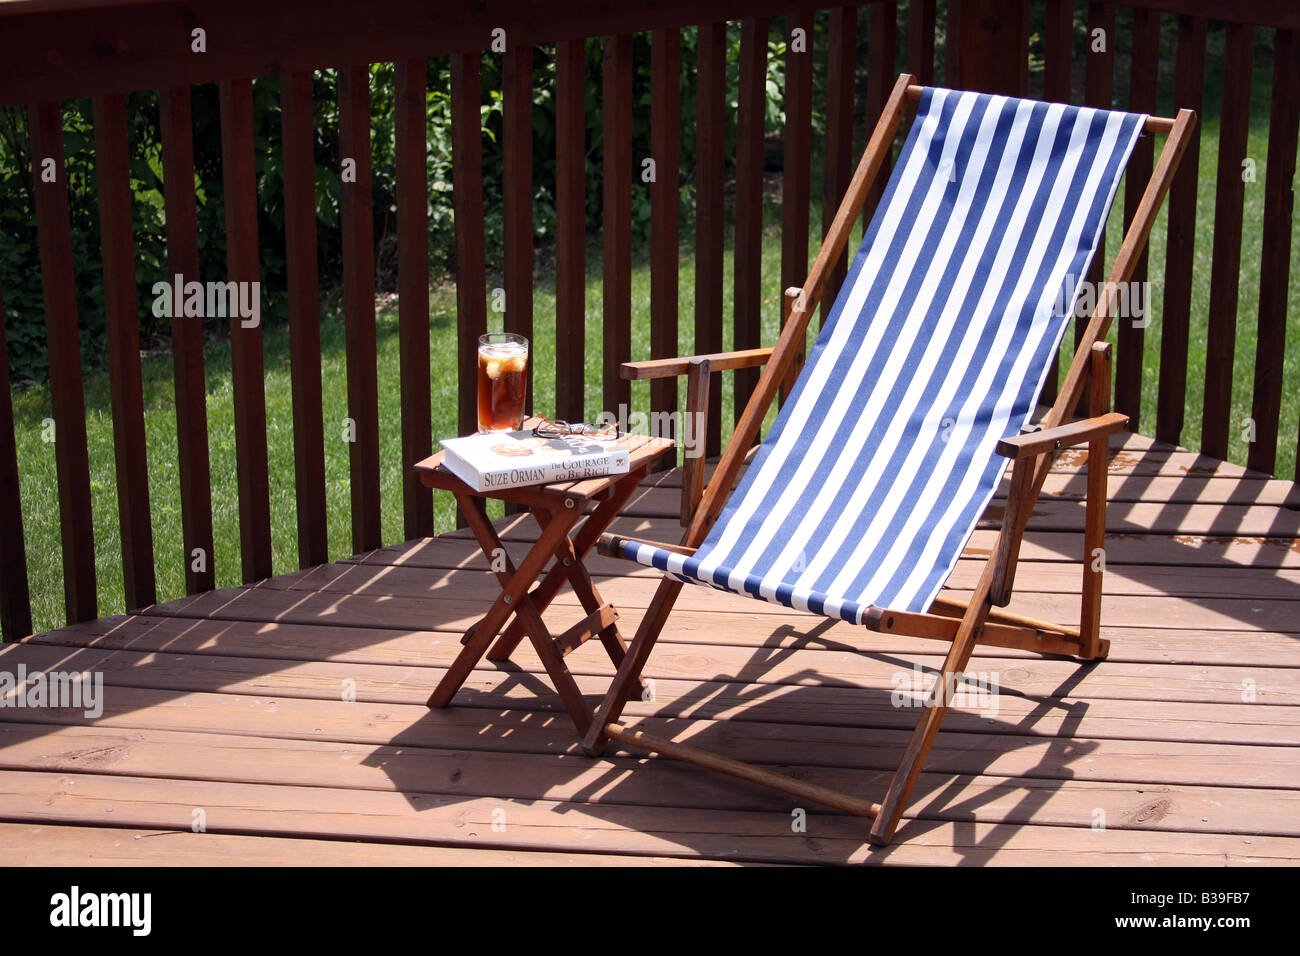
[882, 460]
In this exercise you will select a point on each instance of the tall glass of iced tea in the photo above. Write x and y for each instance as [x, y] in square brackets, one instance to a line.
[502, 380]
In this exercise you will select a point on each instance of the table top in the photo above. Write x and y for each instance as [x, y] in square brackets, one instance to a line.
[642, 451]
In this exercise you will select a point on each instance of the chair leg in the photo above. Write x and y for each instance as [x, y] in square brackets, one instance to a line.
[935, 709]
[1094, 528]
[629, 671]
[1094, 552]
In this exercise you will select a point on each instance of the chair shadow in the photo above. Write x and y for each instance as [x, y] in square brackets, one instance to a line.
[831, 731]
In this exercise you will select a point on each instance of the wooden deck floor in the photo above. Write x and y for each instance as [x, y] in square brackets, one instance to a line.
[229, 709]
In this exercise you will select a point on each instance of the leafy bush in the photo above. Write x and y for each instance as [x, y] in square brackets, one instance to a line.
[19, 251]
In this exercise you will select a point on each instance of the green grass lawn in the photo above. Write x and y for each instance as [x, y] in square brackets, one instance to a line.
[36, 457]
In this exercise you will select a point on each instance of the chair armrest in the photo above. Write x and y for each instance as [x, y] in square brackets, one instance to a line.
[669, 368]
[1062, 436]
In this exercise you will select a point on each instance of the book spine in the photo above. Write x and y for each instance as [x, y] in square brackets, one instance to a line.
[615, 463]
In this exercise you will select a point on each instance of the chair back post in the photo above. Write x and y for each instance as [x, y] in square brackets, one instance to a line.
[788, 299]
[697, 402]
[791, 341]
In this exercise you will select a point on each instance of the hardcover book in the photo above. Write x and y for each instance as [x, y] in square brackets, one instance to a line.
[510, 459]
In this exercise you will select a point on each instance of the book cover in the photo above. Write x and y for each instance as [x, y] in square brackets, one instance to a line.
[511, 459]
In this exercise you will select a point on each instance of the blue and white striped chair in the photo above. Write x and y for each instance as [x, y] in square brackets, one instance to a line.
[896, 433]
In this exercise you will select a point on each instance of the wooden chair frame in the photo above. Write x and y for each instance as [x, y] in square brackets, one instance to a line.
[962, 624]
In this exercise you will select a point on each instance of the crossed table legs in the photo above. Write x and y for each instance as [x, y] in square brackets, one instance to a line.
[556, 514]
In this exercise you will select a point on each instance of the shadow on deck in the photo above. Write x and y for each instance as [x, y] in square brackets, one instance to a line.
[285, 720]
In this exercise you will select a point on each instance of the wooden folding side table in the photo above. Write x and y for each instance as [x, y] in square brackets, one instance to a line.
[557, 508]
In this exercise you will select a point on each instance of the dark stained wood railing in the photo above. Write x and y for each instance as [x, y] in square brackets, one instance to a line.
[747, 273]
[1229, 199]
[63, 340]
[358, 224]
[304, 314]
[616, 225]
[841, 68]
[187, 342]
[665, 209]
[1189, 81]
[247, 371]
[1144, 65]
[797, 160]
[881, 74]
[570, 229]
[467, 177]
[122, 324]
[710, 222]
[852, 54]
[1058, 43]
[411, 145]
[15, 599]
[1274, 274]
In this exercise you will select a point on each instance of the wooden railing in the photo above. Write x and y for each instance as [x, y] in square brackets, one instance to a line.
[53, 51]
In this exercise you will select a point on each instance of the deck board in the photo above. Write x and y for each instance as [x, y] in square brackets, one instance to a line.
[1183, 742]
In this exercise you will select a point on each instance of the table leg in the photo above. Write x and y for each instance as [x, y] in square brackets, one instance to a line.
[583, 542]
[514, 590]
[553, 661]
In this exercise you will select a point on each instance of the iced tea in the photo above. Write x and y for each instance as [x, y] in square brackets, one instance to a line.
[502, 380]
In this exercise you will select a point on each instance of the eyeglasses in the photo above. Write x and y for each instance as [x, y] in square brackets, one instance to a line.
[547, 428]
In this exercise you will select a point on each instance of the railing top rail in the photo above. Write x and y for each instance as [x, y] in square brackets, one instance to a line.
[59, 49]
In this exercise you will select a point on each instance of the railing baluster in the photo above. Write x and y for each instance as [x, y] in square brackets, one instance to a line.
[881, 78]
[570, 228]
[1175, 315]
[665, 139]
[1225, 270]
[795, 187]
[187, 342]
[113, 176]
[920, 41]
[358, 226]
[518, 199]
[747, 277]
[951, 47]
[1143, 75]
[304, 315]
[247, 372]
[840, 67]
[1058, 42]
[413, 290]
[710, 116]
[15, 598]
[1098, 92]
[467, 199]
[63, 341]
[1058, 50]
[616, 230]
[1275, 260]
